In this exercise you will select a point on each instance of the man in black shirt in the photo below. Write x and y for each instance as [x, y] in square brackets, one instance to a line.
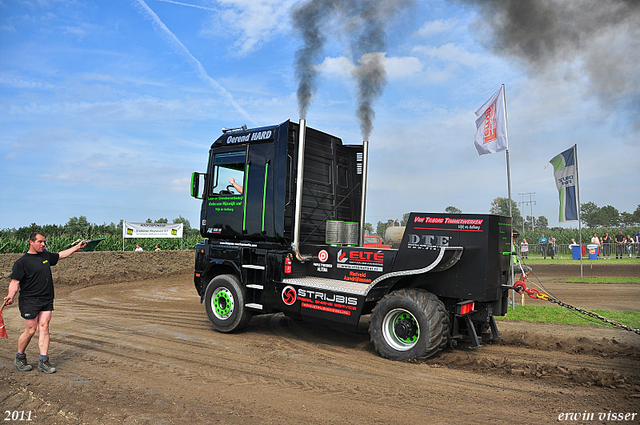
[619, 244]
[32, 276]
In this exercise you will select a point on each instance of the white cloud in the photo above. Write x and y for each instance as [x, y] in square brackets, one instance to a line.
[253, 22]
[452, 53]
[188, 5]
[180, 185]
[438, 26]
[79, 31]
[396, 67]
[340, 66]
[435, 75]
[146, 10]
[22, 82]
[90, 77]
[57, 176]
[402, 67]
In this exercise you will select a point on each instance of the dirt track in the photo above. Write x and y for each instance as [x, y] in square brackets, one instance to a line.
[132, 345]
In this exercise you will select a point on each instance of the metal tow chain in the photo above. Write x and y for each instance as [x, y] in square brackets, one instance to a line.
[534, 293]
[594, 315]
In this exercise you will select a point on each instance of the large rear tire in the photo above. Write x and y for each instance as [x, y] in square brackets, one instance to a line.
[224, 302]
[409, 324]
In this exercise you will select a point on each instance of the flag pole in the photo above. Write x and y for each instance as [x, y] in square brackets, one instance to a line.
[506, 127]
[575, 155]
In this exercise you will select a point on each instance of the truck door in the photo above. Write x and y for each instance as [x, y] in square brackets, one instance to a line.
[225, 203]
[258, 211]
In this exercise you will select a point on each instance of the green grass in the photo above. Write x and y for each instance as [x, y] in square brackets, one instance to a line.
[605, 280]
[556, 314]
[585, 261]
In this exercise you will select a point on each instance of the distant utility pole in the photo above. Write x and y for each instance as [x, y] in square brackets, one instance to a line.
[531, 203]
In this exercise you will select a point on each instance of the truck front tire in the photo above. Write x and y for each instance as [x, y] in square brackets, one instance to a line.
[409, 324]
[224, 302]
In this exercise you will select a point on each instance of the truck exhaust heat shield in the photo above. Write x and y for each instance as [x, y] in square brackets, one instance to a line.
[342, 233]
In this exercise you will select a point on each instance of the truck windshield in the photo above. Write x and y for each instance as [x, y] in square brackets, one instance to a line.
[228, 167]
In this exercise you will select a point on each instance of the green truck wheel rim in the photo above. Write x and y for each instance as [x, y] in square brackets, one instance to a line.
[401, 329]
[222, 303]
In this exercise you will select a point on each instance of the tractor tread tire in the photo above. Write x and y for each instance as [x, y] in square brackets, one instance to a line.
[430, 314]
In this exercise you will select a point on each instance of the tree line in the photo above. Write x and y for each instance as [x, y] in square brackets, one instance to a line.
[60, 237]
[600, 219]
[80, 227]
[591, 216]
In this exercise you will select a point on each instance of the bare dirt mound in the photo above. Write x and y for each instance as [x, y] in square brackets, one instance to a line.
[97, 268]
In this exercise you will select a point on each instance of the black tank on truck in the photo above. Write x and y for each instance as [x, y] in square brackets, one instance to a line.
[282, 216]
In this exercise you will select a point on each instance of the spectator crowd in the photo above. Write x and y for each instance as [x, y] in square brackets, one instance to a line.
[621, 245]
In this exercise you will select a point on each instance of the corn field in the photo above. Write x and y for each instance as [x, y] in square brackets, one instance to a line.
[110, 243]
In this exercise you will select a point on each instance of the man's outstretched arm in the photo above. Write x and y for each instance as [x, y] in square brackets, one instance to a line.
[79, 244]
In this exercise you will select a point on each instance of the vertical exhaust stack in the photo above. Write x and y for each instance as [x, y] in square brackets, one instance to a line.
[295, 245]
[365, 166]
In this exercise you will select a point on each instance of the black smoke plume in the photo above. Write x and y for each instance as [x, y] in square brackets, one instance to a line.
[309, 20]
[362, 21]
[596, 39]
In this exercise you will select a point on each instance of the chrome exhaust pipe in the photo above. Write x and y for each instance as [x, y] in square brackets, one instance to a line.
[365, 166]
[295, 245]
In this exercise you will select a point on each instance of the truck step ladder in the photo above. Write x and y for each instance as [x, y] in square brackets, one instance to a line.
[255, 306]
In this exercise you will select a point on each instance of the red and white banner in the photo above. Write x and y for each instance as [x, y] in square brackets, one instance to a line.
[491, 125]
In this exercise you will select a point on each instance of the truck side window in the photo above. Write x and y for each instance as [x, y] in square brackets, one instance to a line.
[227, 165]
[343, 176]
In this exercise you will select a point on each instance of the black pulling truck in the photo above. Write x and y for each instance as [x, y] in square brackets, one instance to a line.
[283, 214]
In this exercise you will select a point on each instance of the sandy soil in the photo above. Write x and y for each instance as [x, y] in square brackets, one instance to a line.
[132, 345]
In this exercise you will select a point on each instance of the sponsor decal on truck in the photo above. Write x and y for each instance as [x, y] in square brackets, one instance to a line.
[251, 137]
[320, 300]
[449, 223]
[328, 302]
[427, 241]
[360, 260]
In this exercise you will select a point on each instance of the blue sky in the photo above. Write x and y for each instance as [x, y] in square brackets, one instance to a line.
[106, 107]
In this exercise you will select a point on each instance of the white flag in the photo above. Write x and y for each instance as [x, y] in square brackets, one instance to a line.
[491, 125]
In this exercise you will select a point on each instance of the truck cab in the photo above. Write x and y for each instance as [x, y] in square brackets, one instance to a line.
[282, 215]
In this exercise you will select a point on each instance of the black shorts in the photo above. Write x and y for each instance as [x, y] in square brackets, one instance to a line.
[31, 307]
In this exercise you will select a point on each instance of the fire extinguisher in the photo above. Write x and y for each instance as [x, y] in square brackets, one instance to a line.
[288, 263]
